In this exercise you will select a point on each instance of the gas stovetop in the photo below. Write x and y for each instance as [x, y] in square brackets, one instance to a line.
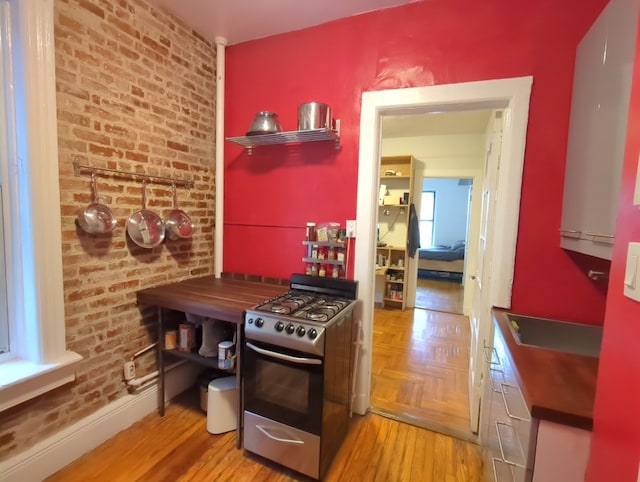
[298, 318]
[304, 305]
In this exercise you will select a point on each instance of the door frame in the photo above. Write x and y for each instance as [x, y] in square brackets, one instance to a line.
[512, 95]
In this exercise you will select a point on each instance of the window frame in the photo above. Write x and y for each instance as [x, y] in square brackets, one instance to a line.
[433, 215]
[39, 360]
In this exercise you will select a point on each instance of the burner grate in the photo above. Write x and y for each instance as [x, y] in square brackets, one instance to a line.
[309, 306]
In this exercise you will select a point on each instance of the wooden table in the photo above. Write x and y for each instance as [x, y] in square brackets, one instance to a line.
[217, 298]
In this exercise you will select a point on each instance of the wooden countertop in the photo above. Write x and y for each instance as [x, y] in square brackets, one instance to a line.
[219, 298]
[559, 387]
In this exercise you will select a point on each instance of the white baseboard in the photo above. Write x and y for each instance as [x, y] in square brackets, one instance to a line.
[59, 450]
[360, 404]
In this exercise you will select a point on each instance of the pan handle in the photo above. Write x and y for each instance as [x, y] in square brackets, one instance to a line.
[94, 187]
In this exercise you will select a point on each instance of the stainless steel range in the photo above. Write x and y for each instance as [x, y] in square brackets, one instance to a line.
[297, 369]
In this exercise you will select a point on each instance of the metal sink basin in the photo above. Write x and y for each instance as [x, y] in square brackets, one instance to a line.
[556, 335]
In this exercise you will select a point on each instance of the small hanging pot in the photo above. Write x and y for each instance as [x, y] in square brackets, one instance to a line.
[145, 227]
[96, 218]
[178, 223]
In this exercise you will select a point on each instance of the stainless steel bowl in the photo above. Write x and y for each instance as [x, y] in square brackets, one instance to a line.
[265, 123]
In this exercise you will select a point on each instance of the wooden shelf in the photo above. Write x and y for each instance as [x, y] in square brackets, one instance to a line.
[396, 188]
[211, 362]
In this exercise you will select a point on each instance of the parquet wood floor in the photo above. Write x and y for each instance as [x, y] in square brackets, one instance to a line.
[439, 295]
[420, 369]
[178, 448]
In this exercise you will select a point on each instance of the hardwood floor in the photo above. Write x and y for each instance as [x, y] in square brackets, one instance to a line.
[439, 295]
[178, 448]
[420, 369]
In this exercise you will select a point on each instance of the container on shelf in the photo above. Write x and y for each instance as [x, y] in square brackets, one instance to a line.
[226, 355]
[311, 231]
[186, 339]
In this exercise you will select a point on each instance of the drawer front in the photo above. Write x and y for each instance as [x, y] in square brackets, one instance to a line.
[508, 430]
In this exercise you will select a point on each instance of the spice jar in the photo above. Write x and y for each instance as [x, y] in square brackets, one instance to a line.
[311, 231]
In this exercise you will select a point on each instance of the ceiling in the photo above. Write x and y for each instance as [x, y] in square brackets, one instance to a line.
[241, 20]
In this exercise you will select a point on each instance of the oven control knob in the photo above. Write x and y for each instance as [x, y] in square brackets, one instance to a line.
[279, 326]
[301, 331]
[313, 333]
[259, 322]
[290, 329]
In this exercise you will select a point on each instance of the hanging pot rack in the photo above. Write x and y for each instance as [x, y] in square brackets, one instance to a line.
[78, 168]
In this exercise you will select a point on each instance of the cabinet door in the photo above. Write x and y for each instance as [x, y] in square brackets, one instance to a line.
[597, 131]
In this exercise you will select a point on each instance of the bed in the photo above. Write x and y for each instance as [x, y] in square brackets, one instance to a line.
[442, 261]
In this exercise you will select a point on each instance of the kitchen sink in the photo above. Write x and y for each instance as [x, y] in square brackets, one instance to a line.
[556, 335]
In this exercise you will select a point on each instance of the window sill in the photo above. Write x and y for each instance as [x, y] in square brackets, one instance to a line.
[22, 380]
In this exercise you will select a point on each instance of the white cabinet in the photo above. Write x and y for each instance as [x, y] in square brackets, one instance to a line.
[597, 130]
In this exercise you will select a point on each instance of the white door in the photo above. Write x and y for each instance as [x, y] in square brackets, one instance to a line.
[480, 317]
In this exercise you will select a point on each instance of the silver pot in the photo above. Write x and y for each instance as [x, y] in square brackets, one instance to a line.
[96, 218]
[314, 115]
[178, 224]
[265, 123]
[145, 227]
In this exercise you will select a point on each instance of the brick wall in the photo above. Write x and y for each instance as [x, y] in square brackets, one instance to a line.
[135, 93]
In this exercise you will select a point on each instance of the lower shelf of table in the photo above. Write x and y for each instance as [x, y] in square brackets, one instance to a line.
[211, 362]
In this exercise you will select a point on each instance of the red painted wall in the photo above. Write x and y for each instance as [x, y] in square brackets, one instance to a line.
[615, 449]
[271, 194]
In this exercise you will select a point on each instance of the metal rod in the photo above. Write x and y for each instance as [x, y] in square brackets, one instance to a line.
[162, 179]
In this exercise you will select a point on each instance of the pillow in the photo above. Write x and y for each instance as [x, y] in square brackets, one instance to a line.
[458, 244]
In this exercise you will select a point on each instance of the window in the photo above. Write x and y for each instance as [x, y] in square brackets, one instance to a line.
[427, 210]
[37, 359]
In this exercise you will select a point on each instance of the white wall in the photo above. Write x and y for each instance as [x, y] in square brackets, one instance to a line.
[451, 207]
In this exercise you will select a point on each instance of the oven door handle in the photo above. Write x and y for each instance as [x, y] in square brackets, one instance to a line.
[282, 356]
[265, 431]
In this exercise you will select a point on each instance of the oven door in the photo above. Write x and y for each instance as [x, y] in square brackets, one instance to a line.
[283, 385]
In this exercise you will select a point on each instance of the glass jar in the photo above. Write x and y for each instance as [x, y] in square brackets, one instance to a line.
[311, 231]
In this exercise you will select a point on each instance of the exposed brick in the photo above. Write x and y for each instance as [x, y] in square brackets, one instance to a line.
[152, 44]
[127, 52]
[125, 84]
[91, 7]
[104, 151]
[91, 136]
[177, 146]
[87, 58]
[136, 156]
[124, 27]
[135, 90]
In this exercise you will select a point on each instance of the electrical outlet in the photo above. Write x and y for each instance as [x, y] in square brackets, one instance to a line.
[129, 370]
[351, 228]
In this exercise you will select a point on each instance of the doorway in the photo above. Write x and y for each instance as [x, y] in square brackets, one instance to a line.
[420, 357]
[444, 218]
[509, 94]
